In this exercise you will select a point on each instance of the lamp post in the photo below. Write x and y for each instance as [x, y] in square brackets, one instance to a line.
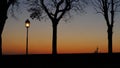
[27, 25]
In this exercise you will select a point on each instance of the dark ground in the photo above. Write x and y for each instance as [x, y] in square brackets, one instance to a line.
[102, 60]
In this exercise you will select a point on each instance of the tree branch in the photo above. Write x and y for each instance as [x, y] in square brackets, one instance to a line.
[67, 8]
[11, 2]
[46, 10]
[57, 8]
[112, 13]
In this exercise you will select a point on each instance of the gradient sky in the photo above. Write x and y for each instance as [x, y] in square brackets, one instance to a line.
[81, 34]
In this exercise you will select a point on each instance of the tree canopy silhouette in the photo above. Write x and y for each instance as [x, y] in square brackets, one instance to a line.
[55, 10]
[4, 6]
[108, 8]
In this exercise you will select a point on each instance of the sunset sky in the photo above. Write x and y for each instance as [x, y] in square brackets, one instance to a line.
[81, 34]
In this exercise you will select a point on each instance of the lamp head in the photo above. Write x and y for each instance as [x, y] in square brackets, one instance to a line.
[27, 23]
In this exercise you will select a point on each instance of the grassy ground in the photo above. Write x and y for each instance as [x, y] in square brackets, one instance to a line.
[62, 60]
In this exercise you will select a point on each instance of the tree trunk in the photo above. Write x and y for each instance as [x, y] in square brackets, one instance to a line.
[0, 44]
[3, 17]
[110, 33]
[54, 41]
[2, 23]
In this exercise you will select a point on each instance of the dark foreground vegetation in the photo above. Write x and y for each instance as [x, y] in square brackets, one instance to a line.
[101, 60]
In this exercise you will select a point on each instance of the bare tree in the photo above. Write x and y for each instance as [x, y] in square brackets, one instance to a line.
[55, 10]
[4, 6]
[108, 8]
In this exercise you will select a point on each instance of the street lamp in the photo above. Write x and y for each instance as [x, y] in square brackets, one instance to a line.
[27, 25]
